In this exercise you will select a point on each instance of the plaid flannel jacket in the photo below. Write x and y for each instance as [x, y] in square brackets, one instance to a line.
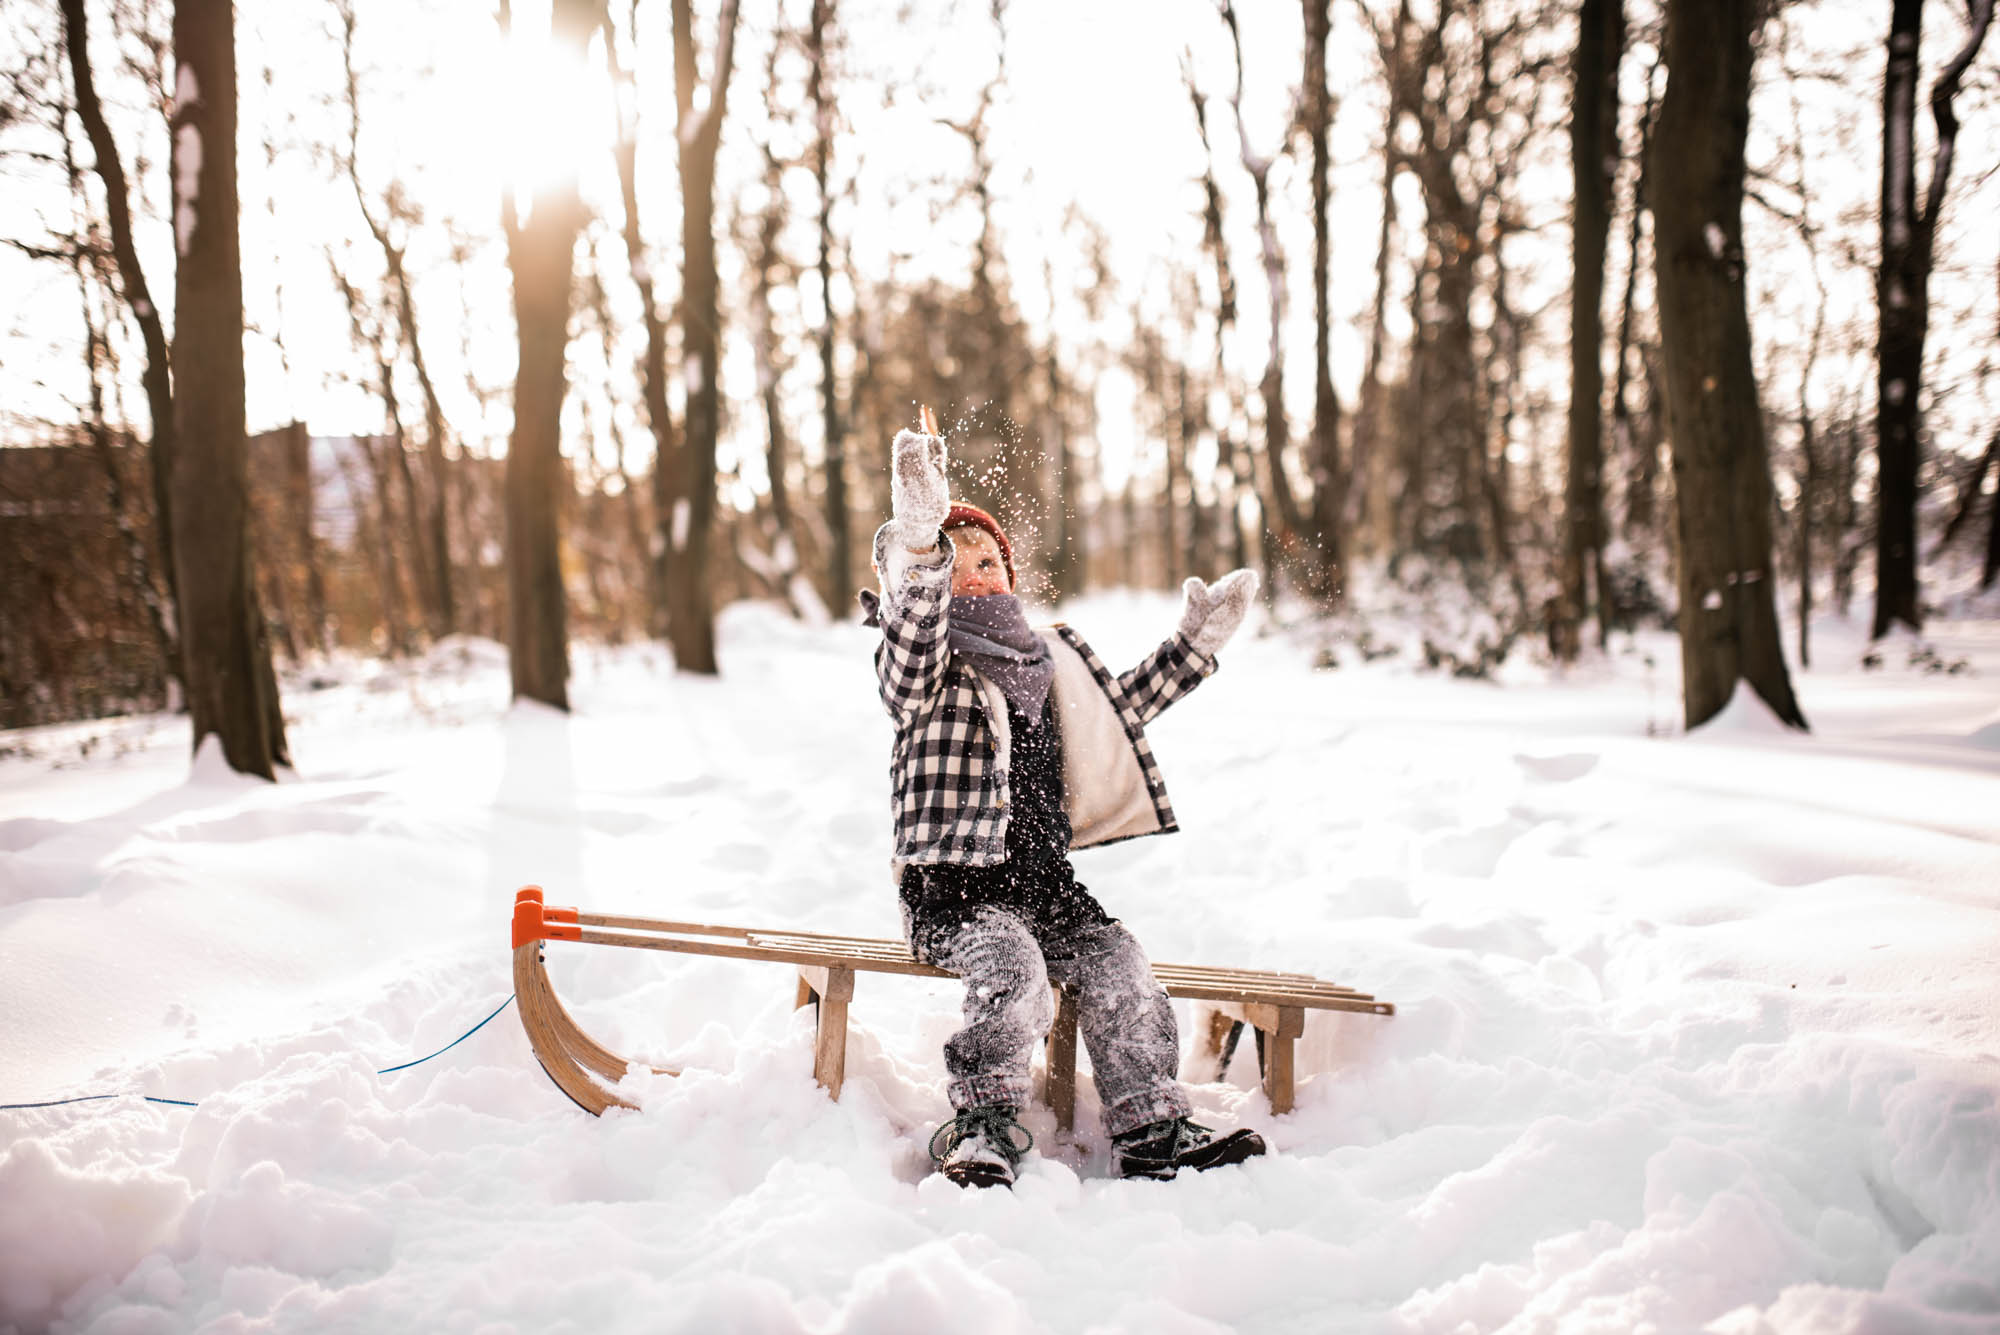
[950, 786]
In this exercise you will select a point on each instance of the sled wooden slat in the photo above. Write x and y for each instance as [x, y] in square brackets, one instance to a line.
[1273, 1002]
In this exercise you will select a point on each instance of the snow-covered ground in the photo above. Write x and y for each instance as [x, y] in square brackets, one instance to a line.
[1694, 1032]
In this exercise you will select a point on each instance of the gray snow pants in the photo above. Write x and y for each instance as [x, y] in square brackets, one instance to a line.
[1123, 1014]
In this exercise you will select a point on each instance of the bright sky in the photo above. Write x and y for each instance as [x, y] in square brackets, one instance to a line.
[1094, 115]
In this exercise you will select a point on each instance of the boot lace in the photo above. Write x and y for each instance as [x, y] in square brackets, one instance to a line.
[1166, 1141]
[996, 1124]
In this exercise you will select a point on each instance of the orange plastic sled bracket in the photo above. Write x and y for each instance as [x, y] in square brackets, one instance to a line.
[535, 921]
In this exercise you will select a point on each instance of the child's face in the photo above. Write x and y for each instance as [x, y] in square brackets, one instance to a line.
[978, 569]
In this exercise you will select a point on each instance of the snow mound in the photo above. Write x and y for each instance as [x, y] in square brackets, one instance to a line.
[1747, 716]
[1687, 1037]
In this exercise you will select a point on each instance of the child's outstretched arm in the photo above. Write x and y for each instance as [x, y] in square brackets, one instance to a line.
[915, 562]
[1210, 614]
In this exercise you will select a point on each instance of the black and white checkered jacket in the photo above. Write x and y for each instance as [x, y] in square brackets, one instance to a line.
[949, 765]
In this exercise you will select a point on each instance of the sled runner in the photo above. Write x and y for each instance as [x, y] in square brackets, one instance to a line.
[1273, 1003]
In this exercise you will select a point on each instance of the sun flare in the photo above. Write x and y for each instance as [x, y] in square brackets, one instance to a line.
[531, 113]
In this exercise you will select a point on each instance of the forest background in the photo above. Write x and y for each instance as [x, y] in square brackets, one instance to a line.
[577, 320]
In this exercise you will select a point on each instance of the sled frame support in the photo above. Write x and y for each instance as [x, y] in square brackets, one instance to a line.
[825, 966]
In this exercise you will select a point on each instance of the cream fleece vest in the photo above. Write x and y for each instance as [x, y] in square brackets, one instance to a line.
[1104, 787]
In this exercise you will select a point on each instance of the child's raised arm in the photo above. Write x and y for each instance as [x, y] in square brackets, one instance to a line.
[915, 562]
[1210, 614]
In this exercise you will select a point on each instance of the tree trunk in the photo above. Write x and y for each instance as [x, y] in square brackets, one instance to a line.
[839, 527]
[653, 367]
[430, 538]
[1642, 454]
[299, 508]
[1902, 298]
[1808, 490]
[231, 686]
[781, 572]
[1728, 611]
[1846, 544]
[1969, 485]
[1593, 160]
[690, 599]
[1175, 481]
[155, 376]
[398, 530]
[541, 254]
[1282, 520]
[1904, 311]
[1991, 569]
[1446, 483]
[1368, 478]
[1329, 478]
[1067, 559]
[397, 635]
[101, 361]
[1234, 453]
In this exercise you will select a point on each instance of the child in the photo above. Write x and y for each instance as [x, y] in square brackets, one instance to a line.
[1012, 747]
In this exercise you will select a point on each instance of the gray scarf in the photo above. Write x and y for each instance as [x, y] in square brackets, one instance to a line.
[993, 634]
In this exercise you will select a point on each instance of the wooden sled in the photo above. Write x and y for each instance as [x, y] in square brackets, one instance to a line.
[825, 965]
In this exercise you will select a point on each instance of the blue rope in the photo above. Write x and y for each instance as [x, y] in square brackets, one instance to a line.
[184, 1103]
[391, 1070]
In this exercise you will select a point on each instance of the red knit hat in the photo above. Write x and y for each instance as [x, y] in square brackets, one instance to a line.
[962, 514]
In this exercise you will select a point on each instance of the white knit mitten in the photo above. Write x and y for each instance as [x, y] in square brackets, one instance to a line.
[1210, 613]
[919, 495]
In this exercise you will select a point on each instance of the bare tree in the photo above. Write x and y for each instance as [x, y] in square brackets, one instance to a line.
[1809, 452]
[770, 270]
[369, 336]
[1283, 521]
[1640, 448]
[1971, 484]
[1369, 475]
[667, 464]
[1728, 610]
[1329, 500]
[156, 375]
[433, 565]
[690, 599]
[1600, 43]
[1067, 560]
[232, 690]
[542, 253]
[91, 266]
[630, 505]
[1902, 293]
[1235, 464]
[839, 525]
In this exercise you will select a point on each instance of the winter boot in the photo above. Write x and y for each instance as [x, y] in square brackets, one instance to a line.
[979, 1147]
[1162, 1149]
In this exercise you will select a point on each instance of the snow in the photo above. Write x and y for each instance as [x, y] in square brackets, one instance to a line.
[1718, 240]
[187, 161]
[1694, 1032]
